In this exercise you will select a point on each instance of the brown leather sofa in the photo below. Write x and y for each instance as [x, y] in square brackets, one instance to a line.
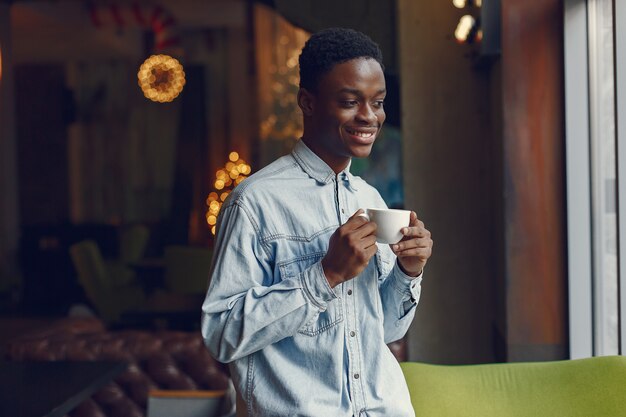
[166, 360]
[160, 360]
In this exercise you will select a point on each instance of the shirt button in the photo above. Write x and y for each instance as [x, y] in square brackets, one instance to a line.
[356, 376]
[349, 292]
[352, 334]
[343, 211]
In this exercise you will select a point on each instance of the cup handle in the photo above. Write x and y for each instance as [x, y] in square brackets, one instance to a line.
[365, 215]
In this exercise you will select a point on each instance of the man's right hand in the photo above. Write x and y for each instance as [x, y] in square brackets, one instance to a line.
[350, 249]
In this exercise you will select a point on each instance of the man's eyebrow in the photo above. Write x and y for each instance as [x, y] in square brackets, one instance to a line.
[359, 92]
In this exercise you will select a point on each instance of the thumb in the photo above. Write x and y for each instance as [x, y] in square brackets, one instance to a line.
[358, 218]
[359, 212]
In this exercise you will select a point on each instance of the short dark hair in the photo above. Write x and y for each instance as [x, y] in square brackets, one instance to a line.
[330, 47]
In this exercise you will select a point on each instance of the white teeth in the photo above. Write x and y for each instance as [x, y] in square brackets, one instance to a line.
[361, 134]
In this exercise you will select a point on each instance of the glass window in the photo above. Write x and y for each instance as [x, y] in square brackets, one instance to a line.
[595, 106]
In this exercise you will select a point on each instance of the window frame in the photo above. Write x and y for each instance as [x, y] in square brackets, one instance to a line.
[587, 323]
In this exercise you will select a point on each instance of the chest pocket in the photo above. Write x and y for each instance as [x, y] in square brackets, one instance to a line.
[334, 310]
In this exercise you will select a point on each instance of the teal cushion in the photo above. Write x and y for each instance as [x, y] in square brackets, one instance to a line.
[574, 388]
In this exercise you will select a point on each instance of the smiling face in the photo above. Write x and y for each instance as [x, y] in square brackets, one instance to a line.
[344, 116]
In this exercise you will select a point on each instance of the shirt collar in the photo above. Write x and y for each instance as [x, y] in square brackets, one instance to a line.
[315, 167]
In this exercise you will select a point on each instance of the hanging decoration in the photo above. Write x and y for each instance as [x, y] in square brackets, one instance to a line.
[128, 16]
[226, 179]
[161, 76]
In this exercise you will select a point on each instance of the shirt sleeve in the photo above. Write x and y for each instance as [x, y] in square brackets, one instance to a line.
[400, 294]
[244, 311]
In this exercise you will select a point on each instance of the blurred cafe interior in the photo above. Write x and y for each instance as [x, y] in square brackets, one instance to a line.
[124, 126]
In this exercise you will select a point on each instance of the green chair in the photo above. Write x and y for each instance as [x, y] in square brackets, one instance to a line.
[573, 388]
[132, 243]
[132, 246]
[187, 269]
[110, 295]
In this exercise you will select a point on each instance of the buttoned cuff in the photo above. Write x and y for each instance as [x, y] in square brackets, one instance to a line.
[406, 284]
[316, 286]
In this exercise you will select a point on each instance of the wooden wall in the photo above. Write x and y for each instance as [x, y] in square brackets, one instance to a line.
[533, 110]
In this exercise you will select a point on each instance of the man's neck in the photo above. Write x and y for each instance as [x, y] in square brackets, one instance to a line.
[336, 163]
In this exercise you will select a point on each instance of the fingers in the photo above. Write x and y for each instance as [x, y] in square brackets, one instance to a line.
[416, 228]
[415, 232]
[356, 220]
[421, 253]
[369, 242]
[356, 214]
[418, 243]
[360, 225]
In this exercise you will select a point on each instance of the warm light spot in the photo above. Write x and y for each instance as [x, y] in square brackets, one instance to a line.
[462, 3]
[292, 62]
[226, 178]
[161, 78]
[464, 28]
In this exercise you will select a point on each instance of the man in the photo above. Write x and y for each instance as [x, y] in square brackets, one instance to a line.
[302, 300]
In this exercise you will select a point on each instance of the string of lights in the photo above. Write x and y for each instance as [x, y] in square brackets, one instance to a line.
[226, 179]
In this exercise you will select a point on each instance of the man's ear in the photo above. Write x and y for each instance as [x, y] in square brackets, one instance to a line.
[306, 101]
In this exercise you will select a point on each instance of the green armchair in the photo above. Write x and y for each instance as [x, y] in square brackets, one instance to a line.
[572, 388]
[120, 301]
[112, 291]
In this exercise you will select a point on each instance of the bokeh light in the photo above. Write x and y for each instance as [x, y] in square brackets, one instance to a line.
[161, 78]
[464, 28]
[226, 179]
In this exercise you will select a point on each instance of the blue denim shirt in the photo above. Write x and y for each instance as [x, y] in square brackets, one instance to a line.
[296, 346]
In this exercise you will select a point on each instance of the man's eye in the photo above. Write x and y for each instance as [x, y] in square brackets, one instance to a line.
[379, 103]
[349, 103]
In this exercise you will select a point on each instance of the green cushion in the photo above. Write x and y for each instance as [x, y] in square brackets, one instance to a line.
[574, 388]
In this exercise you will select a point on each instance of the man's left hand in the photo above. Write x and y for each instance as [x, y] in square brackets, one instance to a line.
[415, 247]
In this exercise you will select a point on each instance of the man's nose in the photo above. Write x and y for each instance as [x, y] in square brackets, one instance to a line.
[367, 114]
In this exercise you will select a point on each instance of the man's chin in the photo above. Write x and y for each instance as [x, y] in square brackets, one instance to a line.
[362, 151]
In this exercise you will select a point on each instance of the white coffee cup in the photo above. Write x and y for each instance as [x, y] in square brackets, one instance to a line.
[389, 223]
